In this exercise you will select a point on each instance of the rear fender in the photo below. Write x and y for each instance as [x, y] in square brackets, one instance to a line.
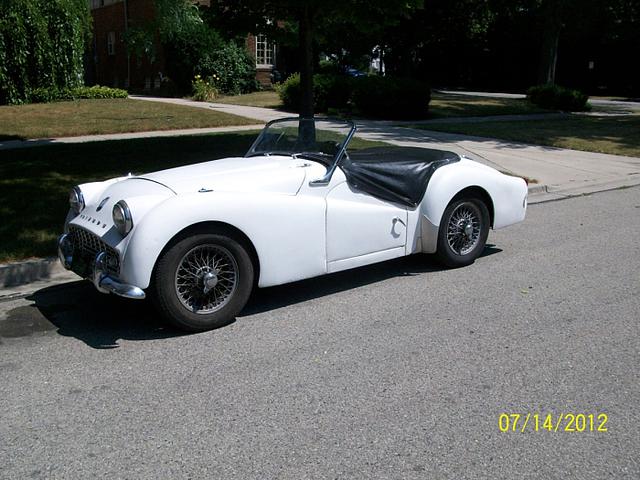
[507, 195]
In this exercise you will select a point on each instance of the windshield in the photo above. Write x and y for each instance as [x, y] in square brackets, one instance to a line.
[321, 138]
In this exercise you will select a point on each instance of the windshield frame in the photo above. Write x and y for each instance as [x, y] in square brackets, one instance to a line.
[339, 155]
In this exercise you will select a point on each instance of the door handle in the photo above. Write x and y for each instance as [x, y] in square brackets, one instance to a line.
[398, 219]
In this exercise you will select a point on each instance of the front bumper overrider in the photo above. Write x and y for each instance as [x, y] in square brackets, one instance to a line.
[103, 282]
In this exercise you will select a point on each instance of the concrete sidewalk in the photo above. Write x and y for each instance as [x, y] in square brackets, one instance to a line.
[594, 101]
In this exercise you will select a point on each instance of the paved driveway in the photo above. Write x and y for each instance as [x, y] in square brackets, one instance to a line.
[399, 370]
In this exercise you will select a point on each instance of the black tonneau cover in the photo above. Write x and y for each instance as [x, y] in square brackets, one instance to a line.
[395, 174]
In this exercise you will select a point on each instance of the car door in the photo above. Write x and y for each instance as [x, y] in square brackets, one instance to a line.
[362, 229]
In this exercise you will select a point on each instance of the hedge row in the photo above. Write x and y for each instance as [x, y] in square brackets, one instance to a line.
[555, 97]
[54, 94]
[372, 96]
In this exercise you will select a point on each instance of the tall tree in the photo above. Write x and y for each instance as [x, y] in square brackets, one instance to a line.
[42, 43]
[310, 16]
[551, 25]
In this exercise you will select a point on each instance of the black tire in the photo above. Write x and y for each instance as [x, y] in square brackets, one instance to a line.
[457, 246]
[179, 280]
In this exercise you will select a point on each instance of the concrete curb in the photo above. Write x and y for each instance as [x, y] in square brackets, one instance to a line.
[20, 273]
[535, 189]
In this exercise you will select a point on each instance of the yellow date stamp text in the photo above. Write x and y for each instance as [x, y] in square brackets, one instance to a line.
[549, 422]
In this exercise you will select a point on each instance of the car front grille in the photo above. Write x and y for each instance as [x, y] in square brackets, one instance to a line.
[86, 246]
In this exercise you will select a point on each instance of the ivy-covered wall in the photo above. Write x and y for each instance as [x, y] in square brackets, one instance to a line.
[41, 45]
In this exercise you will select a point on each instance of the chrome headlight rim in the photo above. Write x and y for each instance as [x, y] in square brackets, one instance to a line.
[122, 219]
[76, 200]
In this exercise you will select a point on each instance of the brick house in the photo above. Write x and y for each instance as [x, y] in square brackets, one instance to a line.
[111, 65]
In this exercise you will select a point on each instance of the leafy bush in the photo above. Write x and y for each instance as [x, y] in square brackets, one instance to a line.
[329, 66]
[290, 92]
[389, 97]
[98, 91]
[204, 90]
[55, 94]
[233, 65]
[42, 43]
[329, 91]
[555, 97]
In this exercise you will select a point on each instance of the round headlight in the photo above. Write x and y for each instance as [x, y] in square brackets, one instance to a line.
[122, 217]
[76, 200]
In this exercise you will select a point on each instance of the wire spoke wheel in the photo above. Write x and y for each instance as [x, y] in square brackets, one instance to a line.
[206, 278]
[464, 228]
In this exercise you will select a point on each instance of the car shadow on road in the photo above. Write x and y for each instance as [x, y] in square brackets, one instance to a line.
[77, 310]
[272, 298]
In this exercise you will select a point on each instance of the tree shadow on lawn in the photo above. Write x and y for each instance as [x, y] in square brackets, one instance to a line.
[77, 310]
[35, 181]
[601, 133]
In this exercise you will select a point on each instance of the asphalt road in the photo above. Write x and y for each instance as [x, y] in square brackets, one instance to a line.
[399, 370]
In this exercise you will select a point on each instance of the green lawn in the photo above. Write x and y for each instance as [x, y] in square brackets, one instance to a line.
[35, 182]
[92, 117]
[618, 135]
[451, 105]
[267, 99]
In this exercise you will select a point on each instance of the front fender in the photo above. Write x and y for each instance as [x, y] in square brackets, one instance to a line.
[287, 232]
[508, 195]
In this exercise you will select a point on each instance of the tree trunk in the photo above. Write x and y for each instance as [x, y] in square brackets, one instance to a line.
[551, 27]
[306, 64]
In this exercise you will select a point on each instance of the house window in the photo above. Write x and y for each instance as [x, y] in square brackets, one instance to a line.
[111, 43]
[265, 52]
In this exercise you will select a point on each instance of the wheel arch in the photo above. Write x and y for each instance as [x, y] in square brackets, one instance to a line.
[213, 226]
[476, 191]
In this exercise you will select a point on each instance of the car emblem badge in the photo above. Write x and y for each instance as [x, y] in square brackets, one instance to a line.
[102, 204]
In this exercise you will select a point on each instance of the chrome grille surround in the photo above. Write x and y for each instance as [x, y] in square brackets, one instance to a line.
[87, 245]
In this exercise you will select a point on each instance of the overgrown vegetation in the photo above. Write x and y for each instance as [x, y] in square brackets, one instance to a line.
[42, 43]
[192, 48]
[233, 66]
[555, 97]
[204, 89]
[388, 97]
[372, 96]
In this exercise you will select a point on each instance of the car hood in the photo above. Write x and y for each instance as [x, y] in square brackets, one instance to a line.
[274, 174]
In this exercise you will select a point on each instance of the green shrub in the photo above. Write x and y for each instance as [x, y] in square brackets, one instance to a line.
[329, 91]
[204, 89]
[98, 91]
[555, 97]
[290, 92]
[389, 97]
[329, 66]
[234, 66]
[55, 94]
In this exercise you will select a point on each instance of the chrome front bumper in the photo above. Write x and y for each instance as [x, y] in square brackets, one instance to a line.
[101, 280]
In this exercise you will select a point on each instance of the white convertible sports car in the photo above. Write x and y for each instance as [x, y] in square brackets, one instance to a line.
[197, 239]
